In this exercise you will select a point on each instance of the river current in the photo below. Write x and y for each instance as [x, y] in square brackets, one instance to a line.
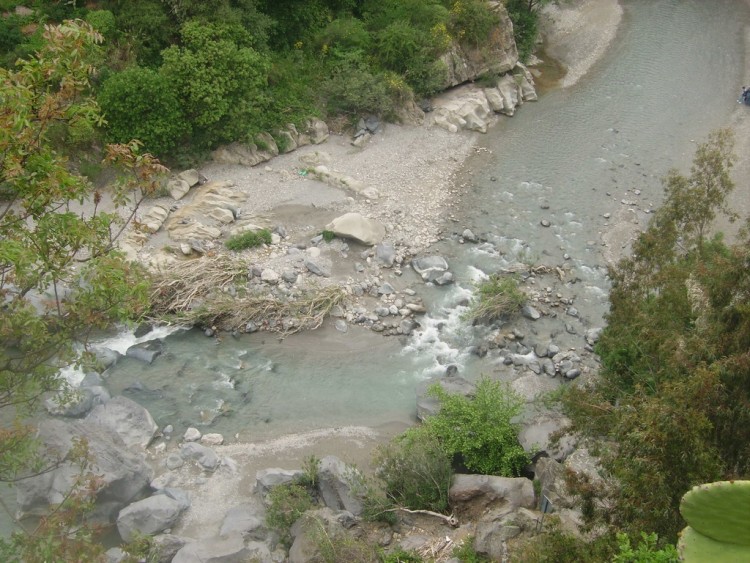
[575, 158]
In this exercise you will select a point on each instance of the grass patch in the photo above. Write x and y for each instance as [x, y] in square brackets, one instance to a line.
[249, 239]
[497, 297]
[328, 236]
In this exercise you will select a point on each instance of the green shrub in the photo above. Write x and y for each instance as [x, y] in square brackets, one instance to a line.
[471, 21]
[497, 297]
[287, 503]
[554, 545]
[104, 22]
[466, 553]
[139, 103]
[647, 550]
[415, 471]
[344, 33]
[400, 555]
[525, 27]
[328, 236]
[149, 26]
[354, 89]
[248, 239]
[480, 429]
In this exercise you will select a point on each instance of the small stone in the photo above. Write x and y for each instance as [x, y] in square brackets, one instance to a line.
[174, 461]
[192, 435]
[212, 439]
[545, 223]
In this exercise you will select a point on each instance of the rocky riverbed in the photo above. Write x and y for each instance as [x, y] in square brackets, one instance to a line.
[404, 178]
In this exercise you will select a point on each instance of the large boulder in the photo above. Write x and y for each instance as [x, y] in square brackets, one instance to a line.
[518, 492]
[308, 529]
[205, 456]
[149, 516]
[246, 519]
[123, 475]
[336, 482]
[537, 436]
[357, 227]
[131, 421]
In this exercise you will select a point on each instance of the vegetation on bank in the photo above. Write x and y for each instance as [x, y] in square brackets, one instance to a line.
[183, 76]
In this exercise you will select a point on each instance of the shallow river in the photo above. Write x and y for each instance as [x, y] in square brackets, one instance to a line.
[672, 75]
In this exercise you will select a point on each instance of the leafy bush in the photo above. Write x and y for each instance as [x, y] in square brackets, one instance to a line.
[248, 239]
[497, 297]
[401, 556]
[149, 27]
[328, 236]
[139, 103]
[471, 21]
[415, 471]
[479, 429]
[647, 550]
[355, 89]
[219, 78]
[345, 33]
[525, 27]
[554, 545]
[466, 553]
[103, 21]
[287, 503]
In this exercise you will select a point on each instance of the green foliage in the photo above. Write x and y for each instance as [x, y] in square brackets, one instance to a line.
[328, 236]
[554, 545]
[415, 471]
[311, 468]
[219, 78]
[497, 297]
[334, 548]
[287, 503]
[675, 357]
[354, 89]
[139, 103]
[466, 553]
[525, 26]
[248, 239]
[60, 277]
[472, 21]
[345, 33]
[480, 429]
[647, 550]
[104, 22]
[401, 556]
[149, 27]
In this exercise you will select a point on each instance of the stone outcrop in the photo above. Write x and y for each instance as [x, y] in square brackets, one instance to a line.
[133, 423]
[336, 482]
[213, 206]
[518, 492]
[496, 56]
[124, 475]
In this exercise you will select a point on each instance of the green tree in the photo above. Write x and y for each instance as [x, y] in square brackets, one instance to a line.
[220, 80]
[60, 275]
[140, 103]
[673, 399]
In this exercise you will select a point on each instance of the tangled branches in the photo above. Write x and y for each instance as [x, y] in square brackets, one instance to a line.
[204, 292]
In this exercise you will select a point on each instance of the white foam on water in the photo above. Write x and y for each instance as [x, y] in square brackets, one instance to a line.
[476, 275]
[126, 338]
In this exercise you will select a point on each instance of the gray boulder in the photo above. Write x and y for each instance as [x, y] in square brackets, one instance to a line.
[123, 474]
[148, 516]
[246, 519]
[385, 253]
[146, 352]
[267, 479]
[432, 269]
[205, 456]
[168, 545]
[335, 483]
[131, 421]
[536, 436]
[78, 403]
[229, 549]
[357, 227]
[516, 491]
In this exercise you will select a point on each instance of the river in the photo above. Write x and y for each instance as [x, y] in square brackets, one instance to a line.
[582, 158]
